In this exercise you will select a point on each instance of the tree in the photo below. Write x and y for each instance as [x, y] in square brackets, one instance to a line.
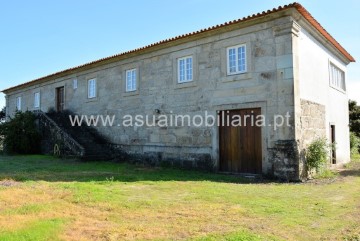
[20, 134]
[354, 117]
[3, 115]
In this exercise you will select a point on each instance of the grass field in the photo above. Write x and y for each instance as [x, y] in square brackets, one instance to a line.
[43, 198]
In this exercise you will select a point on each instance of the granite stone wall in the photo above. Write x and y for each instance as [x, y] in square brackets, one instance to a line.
[312, 121]
[313, 126]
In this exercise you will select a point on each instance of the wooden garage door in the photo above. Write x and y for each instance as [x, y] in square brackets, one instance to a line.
[240, 146]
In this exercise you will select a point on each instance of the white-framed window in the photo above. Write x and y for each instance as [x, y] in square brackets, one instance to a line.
[130, 80]
[75, 84]
[18, 103]
[91, 88]
[185, 69]
[236, 59]
[337, 77]
[37, 100]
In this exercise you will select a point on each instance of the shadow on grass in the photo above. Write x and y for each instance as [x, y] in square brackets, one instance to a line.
[352, 168]
[47, 168]
[346, 173]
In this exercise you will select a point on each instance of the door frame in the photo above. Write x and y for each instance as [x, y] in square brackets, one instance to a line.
[250, 164]
[264, 131]
[56, 96]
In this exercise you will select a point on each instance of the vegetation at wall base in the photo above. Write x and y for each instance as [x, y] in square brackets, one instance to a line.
[354, 143]
[326, 173]
[3, 115]
[20, 134]
[317, 155]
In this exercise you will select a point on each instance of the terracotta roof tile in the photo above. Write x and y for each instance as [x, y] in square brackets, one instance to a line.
[295, 5]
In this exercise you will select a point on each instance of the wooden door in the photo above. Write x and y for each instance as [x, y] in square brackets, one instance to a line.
[60, 99]
[240, 145]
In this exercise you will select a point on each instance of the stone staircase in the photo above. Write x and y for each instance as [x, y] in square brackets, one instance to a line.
[83, 142]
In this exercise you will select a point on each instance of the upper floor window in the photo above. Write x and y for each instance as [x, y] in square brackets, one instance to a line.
[37, 100]
[185, 69]
[236, 59]
[337, 77]
[91, 88]
[18, 103]
[130, 80]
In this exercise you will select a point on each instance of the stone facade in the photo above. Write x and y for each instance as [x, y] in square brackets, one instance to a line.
[269, 83]
[312, 126]
[312, 122]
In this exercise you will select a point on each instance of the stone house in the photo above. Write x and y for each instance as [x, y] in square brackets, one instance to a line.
[281, 62]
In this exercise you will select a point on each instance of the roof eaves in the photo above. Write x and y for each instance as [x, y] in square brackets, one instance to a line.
[322, 31]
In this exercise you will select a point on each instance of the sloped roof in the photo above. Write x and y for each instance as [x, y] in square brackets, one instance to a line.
[295, 5]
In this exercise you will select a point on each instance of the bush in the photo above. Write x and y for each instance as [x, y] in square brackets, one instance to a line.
[317, 154]
[3, 114]
[354, 143]
[20, 134]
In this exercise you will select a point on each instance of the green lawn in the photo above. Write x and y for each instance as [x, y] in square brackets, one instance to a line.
[43, 198]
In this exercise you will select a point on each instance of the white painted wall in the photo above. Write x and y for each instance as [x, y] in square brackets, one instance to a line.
[314, 86]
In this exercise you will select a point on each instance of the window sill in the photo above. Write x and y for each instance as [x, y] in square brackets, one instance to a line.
[91, 99]
[338, 89]
[131, 93]
[236, 77]
[185, 85]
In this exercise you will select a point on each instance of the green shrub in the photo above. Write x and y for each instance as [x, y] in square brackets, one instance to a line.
[20, 134]
[354, 117]
[3, 115]
[317, 154]
[354, 143]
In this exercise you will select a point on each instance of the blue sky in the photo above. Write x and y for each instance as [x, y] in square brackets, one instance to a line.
[41, 37]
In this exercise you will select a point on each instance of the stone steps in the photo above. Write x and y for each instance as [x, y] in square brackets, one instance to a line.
[89, 138]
